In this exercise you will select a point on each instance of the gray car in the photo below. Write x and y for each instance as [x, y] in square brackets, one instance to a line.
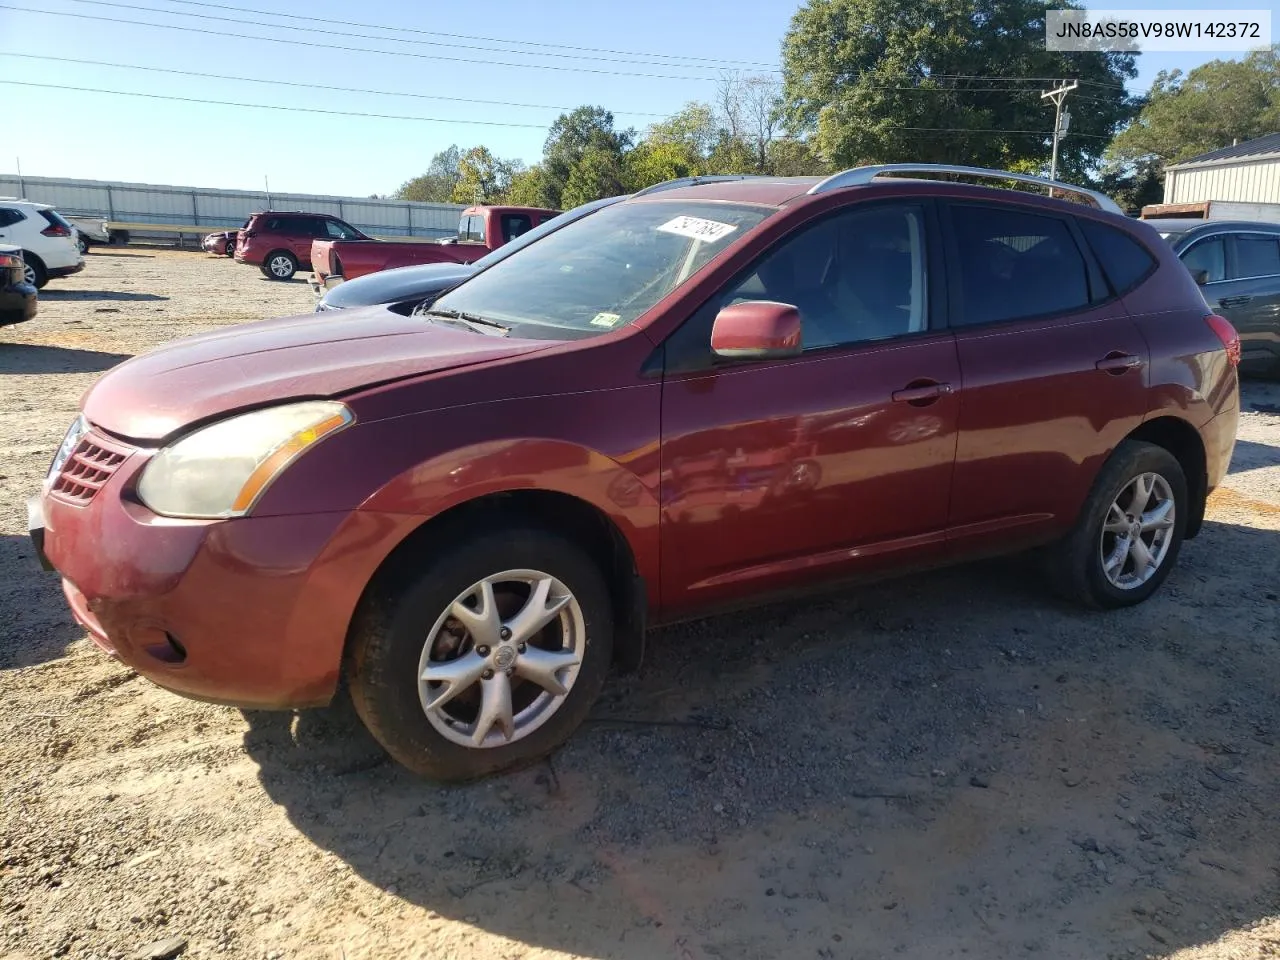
[1237, 264]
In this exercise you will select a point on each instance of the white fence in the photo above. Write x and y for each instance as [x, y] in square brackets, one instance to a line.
[207, 208]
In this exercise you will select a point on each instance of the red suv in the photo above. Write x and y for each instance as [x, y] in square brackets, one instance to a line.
[696, 398]
[279, 242]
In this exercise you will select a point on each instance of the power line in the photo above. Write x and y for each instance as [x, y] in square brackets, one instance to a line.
[370, 36]
[486, 123]
[434, 57]
[308, 86]
[271, 106]
[468, 36]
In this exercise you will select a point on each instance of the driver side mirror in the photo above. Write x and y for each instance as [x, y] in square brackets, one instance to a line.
[757, 330]
[1201, 277]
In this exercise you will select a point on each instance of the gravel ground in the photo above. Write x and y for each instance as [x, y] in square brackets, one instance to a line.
[946, 765]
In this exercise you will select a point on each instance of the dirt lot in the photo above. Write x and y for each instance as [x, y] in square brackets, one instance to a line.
[942, 766]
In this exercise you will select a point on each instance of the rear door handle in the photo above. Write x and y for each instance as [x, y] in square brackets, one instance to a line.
[922, 394]
[1119, 362]
[1234, 301]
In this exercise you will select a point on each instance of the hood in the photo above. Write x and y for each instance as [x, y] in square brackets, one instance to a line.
[318, 355]
[401, 283]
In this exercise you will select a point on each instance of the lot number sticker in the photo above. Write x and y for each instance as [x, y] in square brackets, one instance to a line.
[696, 228]
[605, 320]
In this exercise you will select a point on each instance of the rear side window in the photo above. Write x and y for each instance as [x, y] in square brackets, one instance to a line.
[514, 224]
[55, 219]
[9, 216]
[1209, 256]
[1123, 259]
[1256, 256]
[1016, 265]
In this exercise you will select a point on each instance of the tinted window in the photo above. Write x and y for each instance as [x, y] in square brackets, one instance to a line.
[857, 276]
[1124, 260]
[1015, 264]
[9, 216]
[514, 224]
[1209, 256]
[471, 228]
[1256, 257]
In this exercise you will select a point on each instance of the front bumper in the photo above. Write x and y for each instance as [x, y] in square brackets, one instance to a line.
[250, 612]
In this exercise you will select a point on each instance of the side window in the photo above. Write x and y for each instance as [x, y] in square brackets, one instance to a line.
[277, 224]
[514, 224]
[1016, 265]
[1123, 259]
[9, 216]
[1209, 256]
[337, 230]
[1256, 256]
[857, 276]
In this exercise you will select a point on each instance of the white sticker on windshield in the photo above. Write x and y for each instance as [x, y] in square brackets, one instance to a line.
[696, 228]
[605, 320]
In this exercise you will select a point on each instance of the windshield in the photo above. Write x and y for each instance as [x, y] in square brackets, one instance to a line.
[541, 230]
[603, 271]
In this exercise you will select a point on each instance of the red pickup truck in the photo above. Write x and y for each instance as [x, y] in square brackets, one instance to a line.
[480, 230]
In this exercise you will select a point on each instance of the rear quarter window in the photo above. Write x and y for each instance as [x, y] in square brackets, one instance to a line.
[9, 216]
[1124, 261]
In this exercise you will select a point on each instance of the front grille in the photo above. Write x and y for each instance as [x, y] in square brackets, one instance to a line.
[88, 469]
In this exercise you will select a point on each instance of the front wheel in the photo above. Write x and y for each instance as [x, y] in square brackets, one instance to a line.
[230, 248]
[1129, 533]
[485, 658]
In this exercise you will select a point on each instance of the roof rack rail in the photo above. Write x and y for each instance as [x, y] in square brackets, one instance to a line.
[863, 175]
[693, 182]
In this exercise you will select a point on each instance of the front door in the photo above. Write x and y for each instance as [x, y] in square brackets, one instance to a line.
[780, 473]
[1054, 375]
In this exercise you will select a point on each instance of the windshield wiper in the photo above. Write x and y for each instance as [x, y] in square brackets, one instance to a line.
[470, 320]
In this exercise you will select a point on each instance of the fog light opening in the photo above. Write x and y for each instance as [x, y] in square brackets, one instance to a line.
[169, 652]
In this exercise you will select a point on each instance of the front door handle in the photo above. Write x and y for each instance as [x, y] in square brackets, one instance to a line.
[921, 394]
[1117, 363]
[1234, 301]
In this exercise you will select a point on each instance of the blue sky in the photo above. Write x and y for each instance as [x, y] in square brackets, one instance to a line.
[157, 141]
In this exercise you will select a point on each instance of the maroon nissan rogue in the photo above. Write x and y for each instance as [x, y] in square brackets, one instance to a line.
[697, 398]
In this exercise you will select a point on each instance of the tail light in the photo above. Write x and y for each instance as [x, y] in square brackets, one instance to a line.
[56, 230]
[1227, 334]
[8, 261]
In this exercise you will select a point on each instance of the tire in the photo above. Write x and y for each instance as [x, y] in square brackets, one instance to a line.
[118, 238]
[405, 618]
[230, 248]
[36, 274]
[279, 265]
[83, 243]
[1077, 567]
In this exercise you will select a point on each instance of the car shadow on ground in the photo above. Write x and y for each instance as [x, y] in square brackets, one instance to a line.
[35, 624]
[28, 358]
[95, 252]
[949, 763]
[1254, 456]
[120, 295]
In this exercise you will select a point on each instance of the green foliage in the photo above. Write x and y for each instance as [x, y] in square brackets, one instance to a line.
[527, 188]
[584, 138]
[598, 172]
[889, 80]
[437, 184]
[483, 178]
[1206, 109]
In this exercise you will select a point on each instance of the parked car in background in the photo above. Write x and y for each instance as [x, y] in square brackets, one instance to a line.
[410, 288]
[1237, 265]
[17, 295]
[90, 230]
[692, 399]
[48, 242]
[480, 230]
[221, 243]
[279, 242]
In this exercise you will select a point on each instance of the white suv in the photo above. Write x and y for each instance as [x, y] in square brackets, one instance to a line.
[49, 244]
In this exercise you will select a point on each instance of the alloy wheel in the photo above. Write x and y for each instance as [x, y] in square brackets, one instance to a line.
[501, 659]
[281, 266]
[29, 273]
[1138, 531]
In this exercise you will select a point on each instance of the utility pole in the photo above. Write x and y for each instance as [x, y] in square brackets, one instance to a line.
[1060, 120]
[22, 184]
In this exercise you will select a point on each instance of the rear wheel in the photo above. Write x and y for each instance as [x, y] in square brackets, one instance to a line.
[34, 270]
[1129, 533]
[485, 658]
[83, 243]
[280, 265]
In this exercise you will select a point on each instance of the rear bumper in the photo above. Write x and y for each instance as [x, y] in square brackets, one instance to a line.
[18, 304]
[65, 271]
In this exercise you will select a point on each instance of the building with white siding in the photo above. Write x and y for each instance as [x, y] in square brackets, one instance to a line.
[1244, 173]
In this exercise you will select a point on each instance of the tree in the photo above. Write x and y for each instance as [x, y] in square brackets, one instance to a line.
[527, 188]
[584, 130]
[599, 172]
[437, 184]
[483, 178]
[904, 80]
[1206, 109]
[751, 115]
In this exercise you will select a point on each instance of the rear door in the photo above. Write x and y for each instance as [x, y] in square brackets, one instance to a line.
[302, 231]
[1250, 298]
[1053, 373]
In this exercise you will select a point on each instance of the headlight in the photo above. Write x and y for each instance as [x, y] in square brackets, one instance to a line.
[69, 443]
[221, 470]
